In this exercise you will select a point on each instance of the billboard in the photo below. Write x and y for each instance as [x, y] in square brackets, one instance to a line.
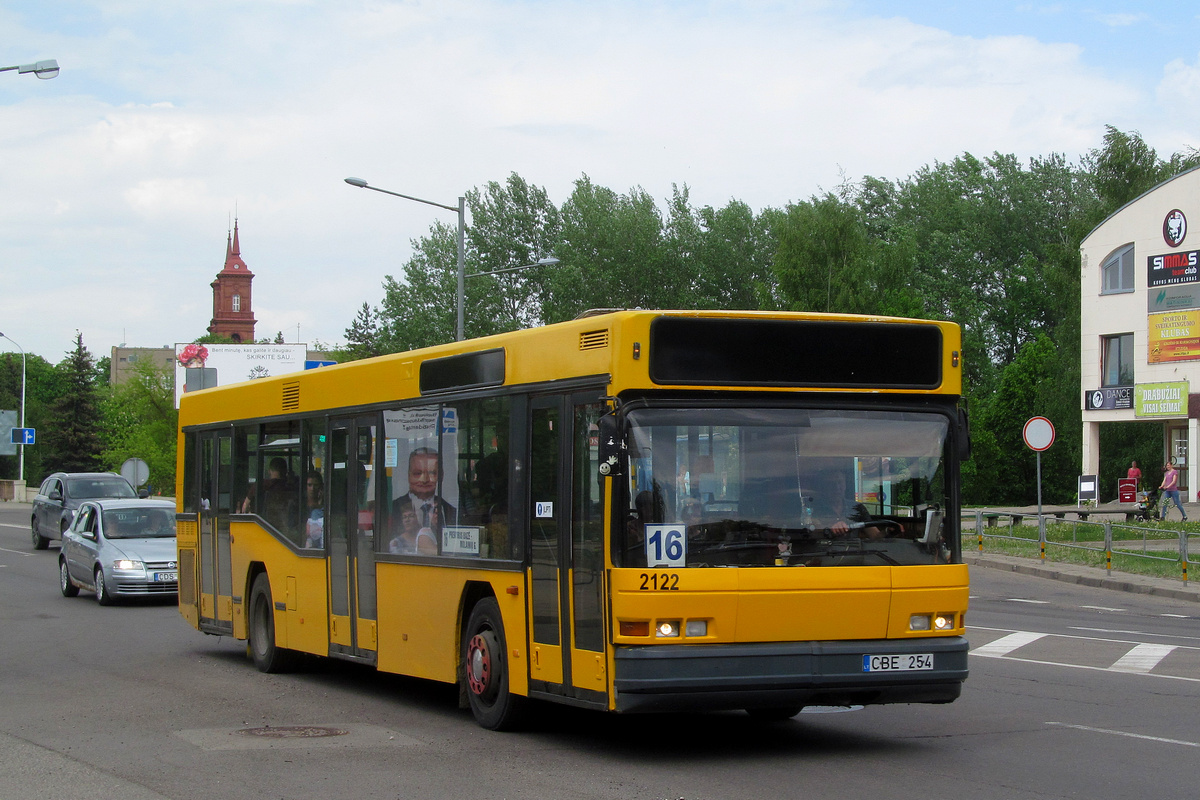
[202, 366]
[1174, 336]
[1161, 399]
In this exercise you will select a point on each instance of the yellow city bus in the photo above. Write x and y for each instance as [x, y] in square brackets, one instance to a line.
[633, 511]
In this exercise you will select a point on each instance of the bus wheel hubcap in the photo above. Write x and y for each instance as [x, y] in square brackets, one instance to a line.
[479, 663]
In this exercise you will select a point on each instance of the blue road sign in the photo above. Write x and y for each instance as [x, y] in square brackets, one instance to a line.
[23, 435]
[316, 364]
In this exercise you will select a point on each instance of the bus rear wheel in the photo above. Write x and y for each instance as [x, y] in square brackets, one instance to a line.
[485, 668]
[260, 630]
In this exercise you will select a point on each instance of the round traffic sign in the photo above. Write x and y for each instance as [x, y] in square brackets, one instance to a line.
[1038, 433]
[135, 471]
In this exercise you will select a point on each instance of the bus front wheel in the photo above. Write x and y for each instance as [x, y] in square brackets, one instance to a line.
[485, 667]
[260, 633]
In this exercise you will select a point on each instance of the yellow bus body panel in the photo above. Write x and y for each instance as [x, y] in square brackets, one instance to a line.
[303, 624]
[419, 610]
[788, 604]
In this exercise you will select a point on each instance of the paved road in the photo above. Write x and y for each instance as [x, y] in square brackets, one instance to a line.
[1075, 691]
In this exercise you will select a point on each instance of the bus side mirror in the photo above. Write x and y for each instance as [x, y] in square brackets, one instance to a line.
[612, 451]
[964, 435]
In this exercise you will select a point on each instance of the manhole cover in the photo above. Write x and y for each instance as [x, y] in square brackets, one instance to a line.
[292, 732]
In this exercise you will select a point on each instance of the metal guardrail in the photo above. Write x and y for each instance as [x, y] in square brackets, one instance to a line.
[1119, 539]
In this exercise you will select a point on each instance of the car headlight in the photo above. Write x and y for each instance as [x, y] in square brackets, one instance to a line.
[127, 565]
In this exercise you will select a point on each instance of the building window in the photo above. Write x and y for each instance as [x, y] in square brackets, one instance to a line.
[237, 302]
[1116, 353]
[1118, 271]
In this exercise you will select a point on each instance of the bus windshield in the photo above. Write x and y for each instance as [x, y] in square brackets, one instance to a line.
[727, 487]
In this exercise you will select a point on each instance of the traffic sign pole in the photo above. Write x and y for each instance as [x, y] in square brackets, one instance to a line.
[1038, 434]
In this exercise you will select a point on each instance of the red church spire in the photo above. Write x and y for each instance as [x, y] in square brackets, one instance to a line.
[233, 315]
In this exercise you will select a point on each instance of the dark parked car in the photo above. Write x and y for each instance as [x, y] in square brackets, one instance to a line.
[59, 498]
[120, 548]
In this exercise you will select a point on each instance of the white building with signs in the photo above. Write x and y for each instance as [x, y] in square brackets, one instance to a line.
[1140, 323]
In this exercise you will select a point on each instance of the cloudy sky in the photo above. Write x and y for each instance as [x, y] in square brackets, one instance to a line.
[119, 178]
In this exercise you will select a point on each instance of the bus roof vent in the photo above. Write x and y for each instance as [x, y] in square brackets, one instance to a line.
[291, 396]
[593, 340]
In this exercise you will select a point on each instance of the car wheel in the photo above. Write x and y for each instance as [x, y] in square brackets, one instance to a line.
[39, 542]
[485, 670]
[68, 588]
[103, 596]
[260, 633]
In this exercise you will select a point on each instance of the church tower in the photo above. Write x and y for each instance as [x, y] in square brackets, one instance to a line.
[232, 313]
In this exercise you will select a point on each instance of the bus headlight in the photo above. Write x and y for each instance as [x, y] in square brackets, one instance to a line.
[668, 629]
[696, 627]
[943, 622]
[919, 622]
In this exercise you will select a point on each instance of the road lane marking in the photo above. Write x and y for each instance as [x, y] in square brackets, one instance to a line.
[13, 525]
[1023, 600]
[1102, 608]
[1142, 658]
[1006, 644]
[16, 552]
[1132, 633]
[1124, 733]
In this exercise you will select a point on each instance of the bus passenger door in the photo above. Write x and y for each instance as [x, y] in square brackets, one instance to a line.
[216, 486]
[350, 537]
[566, 549]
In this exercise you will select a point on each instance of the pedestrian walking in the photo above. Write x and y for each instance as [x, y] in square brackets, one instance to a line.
[1170, 491]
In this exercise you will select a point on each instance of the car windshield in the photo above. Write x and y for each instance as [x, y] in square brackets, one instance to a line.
[138, 523]
[93, 488]
[786, 487]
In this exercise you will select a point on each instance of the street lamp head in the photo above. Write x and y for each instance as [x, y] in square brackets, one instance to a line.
[548, 261]
[45, 70]
[359, 182]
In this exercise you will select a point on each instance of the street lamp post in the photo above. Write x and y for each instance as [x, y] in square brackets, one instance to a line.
[21, 457]
[462, 227]
[45, 70]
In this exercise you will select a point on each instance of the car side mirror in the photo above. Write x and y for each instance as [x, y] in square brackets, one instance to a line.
[143, 493]
[613, 451]
[88, 535]
[55, 494]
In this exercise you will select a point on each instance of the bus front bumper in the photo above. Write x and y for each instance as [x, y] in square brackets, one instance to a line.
[788, 674]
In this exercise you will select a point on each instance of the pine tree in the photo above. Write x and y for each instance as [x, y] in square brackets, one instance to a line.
[72, 438]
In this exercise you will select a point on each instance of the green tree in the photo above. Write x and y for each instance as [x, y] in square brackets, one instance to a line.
[512, 225]
[72, 438]
[41, 388]
[363, 337]
[419, 311]
[140, 421]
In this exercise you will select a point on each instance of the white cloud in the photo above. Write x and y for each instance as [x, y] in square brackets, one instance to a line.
[168, 117]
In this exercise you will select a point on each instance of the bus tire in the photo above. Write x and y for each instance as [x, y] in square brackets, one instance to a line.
[485, 669]
[260, 630]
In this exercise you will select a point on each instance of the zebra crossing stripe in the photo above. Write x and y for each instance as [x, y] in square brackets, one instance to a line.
[1006, 644]
[1142, 658]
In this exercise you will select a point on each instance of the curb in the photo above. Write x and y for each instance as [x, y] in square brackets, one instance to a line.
[1088, 576]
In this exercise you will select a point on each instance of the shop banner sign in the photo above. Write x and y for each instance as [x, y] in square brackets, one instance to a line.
[1161, 399]
[1173, 298]
[1112, 398]
[1174, 337]
[1169, 269]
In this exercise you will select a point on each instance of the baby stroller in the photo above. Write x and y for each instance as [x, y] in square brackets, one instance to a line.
[1147, 505]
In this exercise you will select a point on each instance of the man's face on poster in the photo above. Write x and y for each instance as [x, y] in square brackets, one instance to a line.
[423, 475]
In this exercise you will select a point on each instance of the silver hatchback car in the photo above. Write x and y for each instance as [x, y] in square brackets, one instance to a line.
[120, 548]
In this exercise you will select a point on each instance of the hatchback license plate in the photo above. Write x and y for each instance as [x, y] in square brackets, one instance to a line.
[166, 577]
[901, 663]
